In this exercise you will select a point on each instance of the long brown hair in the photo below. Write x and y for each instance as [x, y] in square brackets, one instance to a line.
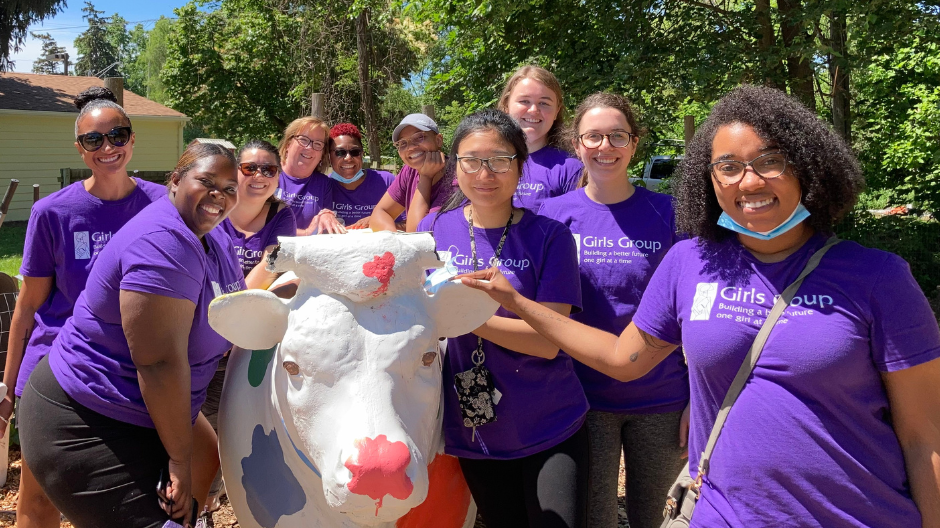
[556, 132]
[601, 100]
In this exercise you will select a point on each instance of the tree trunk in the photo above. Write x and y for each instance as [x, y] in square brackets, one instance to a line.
[839, 76]
[363, 49]
[773, 71]
[799, 70]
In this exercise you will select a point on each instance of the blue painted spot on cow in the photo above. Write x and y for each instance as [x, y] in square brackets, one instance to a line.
[271, 488]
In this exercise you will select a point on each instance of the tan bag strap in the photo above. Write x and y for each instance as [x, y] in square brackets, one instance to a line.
[750, 360]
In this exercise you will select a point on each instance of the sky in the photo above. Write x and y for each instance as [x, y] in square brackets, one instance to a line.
[65, 26]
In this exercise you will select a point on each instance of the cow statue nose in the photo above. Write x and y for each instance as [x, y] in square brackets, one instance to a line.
[379, 470]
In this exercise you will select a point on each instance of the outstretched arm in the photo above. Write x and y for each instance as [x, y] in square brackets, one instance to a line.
[627, 357]
[385, 213]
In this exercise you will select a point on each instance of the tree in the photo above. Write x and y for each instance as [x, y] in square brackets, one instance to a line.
[96, 51]
[143, 71]
[49, 47]
[15, 18]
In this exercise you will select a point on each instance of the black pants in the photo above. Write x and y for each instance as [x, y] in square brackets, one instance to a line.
[98, 471]
[544, 490]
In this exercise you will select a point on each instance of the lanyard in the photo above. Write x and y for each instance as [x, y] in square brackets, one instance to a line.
[478, 357]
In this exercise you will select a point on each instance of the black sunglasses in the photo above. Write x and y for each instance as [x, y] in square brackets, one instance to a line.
[249, 169]
[118, 136]
[341, 153]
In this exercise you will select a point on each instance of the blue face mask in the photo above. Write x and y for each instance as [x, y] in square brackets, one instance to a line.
[354, 179]
[799, 214]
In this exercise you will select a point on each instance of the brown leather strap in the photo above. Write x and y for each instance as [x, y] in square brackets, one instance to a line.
[750, 360]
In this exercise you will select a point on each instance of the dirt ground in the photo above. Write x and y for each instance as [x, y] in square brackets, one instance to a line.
[223, 518]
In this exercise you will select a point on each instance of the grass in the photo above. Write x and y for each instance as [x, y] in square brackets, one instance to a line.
[12, 236]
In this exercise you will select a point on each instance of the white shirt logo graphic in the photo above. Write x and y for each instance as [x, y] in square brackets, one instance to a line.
[705, 294]
[216, 288]
[82, 246]
[577, 241]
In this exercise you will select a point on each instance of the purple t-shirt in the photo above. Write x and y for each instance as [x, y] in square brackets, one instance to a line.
[619, 247]
[357, 204]
[404, 186]
[250, 249]
[66, 231]
[542, 402]
[546, 173]
[305, 196]
[153, 253]
[809, 440]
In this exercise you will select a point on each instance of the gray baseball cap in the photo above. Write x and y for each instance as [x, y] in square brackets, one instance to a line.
[419, 121]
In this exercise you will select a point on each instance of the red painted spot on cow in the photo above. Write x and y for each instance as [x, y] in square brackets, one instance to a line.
[382, 268]
[379, 470]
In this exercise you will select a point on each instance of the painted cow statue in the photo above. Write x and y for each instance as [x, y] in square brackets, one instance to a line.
[331, 415]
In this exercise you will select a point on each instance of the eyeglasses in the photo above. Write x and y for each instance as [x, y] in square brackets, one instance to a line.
[415, 139]
[341, 153]
[92, 141]
[306, 142]
[496, 164]
[250, 169]
[616, 139]
[766, 166]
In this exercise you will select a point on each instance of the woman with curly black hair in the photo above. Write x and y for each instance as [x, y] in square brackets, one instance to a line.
[836, 423]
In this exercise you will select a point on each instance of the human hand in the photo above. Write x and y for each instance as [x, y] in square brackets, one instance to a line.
[684, 431]
[176, 498]
[326, 222]
[6, 411]
[362, 223]
[492, 282]
[431, 164]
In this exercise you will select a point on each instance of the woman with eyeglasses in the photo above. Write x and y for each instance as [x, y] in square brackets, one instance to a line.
[623, 232]
[355, 190]
[515, 412]
[109, 414]
[301, 184]
[421, 186]
[533, 97]
[66, 230]
[837, 422]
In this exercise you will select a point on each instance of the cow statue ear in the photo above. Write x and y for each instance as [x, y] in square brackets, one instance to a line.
[250, 319]
[458, 309]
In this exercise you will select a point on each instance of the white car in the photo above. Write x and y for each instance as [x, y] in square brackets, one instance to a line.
[657, 169]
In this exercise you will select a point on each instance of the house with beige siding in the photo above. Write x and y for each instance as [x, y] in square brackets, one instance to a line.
[37, 133]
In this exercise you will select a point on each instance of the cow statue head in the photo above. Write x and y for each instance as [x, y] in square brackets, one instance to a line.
[349, 372]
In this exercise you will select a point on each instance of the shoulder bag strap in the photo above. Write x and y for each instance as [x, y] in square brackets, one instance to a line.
[754, 353]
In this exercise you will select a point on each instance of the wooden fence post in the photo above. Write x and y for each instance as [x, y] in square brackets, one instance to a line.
[65, 177]
[35, 192]
[318, 106]
[689, 129]
[116, 85]
[428, 110]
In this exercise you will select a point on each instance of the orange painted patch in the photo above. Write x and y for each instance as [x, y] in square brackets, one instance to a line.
[448, 498]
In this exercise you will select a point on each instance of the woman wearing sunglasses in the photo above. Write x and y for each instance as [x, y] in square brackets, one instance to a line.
[533, 97]
[355, 190]
[515, 414]
[259, 218]
[66, 230]
[835, 422]
[121, 387]
[624, 232]
[301, 185]
[421, 186]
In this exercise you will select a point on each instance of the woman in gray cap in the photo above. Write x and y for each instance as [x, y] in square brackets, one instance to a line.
[421, 185]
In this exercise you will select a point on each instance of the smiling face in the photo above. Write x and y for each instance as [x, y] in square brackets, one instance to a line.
[605, 162]
[300, 161]
[484, 188]
[205, 194]
[348, 166]
[108, 159]
[756, 203]
[256, 188]
[413, 155]
[535, 107]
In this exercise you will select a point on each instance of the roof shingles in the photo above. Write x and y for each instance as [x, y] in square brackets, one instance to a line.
[54, 93]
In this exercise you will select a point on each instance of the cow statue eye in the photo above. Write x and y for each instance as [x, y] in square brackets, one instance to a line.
[292, 368]
[428, 358]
